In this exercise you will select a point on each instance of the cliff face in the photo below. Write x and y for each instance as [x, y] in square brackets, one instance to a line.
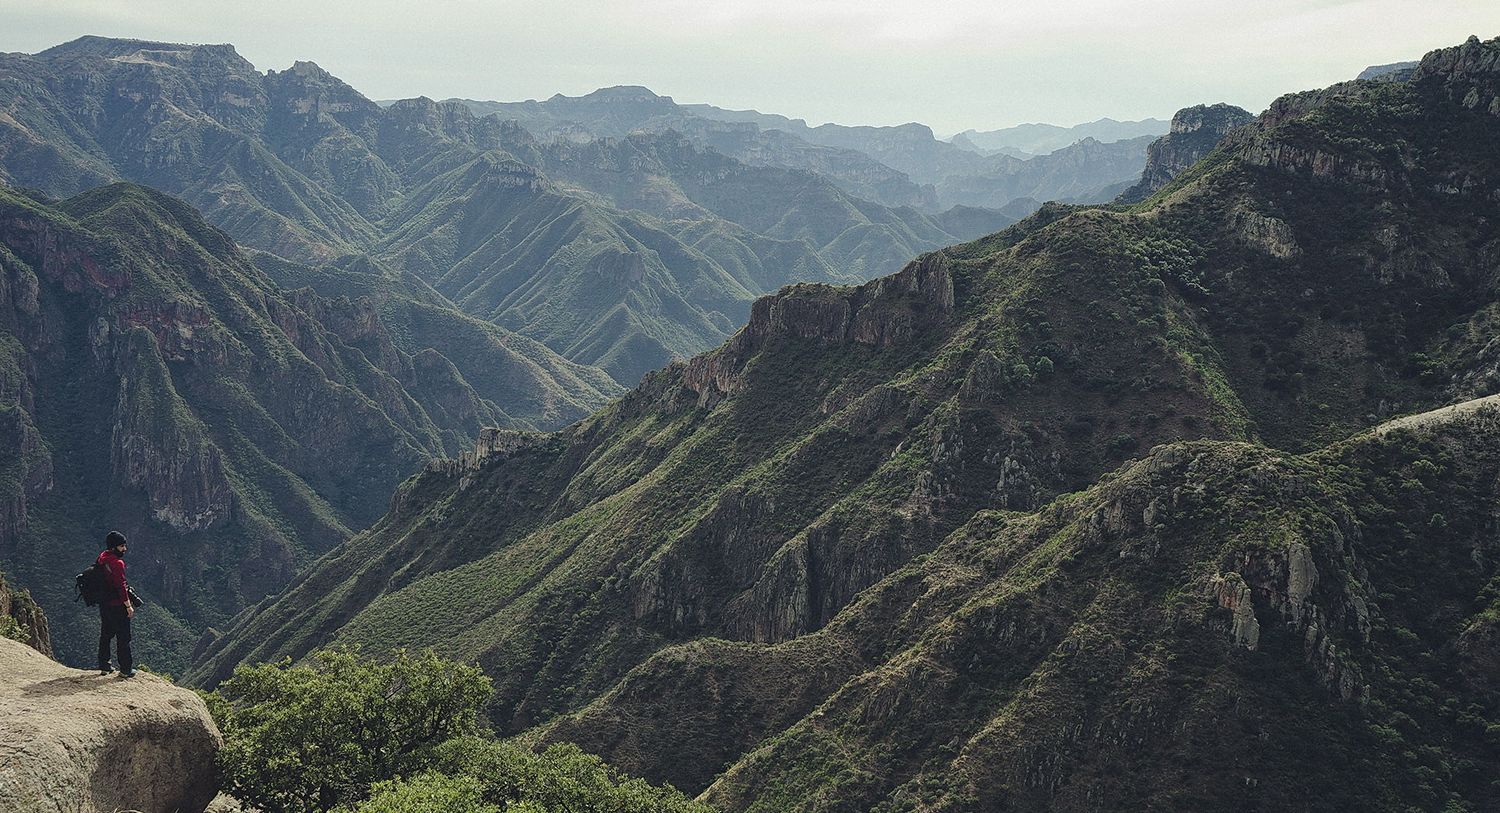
[76, 742]
[1469, 74]
[1194, 133]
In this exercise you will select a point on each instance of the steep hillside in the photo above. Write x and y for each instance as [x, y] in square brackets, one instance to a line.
[536, 387]
[183, 119]
[156, 381]
[1218, 626]
[820, 529]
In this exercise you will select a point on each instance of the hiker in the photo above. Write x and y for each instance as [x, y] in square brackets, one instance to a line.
[116, 610]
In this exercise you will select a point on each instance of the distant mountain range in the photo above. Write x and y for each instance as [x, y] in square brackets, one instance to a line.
[1025, 140]
[1392, 72]
[622, 265]
[901, 165]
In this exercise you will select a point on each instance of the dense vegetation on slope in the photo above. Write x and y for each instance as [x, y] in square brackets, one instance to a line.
[344, 733]
[815, 527]
[1219, 626]
[538, 239]
[152, 379]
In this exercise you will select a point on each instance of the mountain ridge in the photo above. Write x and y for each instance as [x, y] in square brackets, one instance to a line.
[898, 165]
[298, 163]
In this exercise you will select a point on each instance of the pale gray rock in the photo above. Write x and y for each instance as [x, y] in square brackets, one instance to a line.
[80, 742]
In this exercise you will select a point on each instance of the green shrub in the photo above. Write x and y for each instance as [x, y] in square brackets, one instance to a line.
[340, 733]
[301, 739]
[12, 629]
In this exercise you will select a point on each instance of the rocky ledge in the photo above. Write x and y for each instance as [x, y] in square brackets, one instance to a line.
[79, 742]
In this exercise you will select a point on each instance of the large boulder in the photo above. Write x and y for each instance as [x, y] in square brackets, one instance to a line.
[79, 742]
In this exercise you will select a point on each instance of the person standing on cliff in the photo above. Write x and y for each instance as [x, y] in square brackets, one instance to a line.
[116, 611]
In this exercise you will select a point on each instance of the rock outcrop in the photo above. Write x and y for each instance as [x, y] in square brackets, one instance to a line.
[880, 313]
[1469, 73]
[23, 618]
[77, 742]
[1195, 132]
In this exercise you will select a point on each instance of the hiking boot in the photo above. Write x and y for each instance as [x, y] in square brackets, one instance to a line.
[106, 669]
[127, 673]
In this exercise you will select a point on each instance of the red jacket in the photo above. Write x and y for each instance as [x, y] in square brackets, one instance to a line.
[114, 569]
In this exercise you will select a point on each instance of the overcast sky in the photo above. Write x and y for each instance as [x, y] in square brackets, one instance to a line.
[952, 65]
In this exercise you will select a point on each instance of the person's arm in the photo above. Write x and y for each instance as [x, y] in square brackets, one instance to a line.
[116, 570]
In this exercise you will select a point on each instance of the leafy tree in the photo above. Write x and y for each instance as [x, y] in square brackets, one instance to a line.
[302, 739]
[429, 792]
[563, 779]
[480, 775]
[12, 629]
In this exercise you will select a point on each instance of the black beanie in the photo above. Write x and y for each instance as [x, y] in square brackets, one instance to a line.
[114, 539]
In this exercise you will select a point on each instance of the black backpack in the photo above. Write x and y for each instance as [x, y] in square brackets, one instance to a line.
[92, 585]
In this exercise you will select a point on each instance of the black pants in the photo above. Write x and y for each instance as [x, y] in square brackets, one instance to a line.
[114, 623]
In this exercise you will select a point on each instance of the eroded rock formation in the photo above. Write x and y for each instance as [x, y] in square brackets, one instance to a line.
[1195, 132]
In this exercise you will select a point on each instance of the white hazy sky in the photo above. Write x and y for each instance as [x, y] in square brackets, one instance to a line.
[952, 65]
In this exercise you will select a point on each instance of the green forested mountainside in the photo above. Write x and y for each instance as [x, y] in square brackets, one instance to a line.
[537, 388]
[153, 379]
[299, 164]
[870, 554]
